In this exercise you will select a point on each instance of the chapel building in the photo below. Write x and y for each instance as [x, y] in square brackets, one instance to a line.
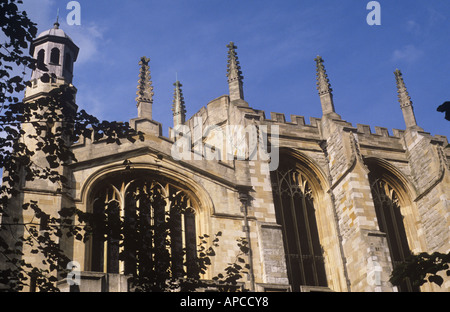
[324, 205]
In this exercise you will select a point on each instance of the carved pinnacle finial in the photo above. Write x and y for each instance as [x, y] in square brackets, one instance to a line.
[405, 101]
[144, 93]
[325, 91]
[234, 74]
[178, 107]
[233, 69]
[145, 88]
[403, 95]
[323, 83]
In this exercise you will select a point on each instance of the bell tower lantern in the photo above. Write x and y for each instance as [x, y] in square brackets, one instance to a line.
[55, 53]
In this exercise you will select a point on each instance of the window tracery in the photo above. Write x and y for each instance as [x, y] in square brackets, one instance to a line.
[294, 206]
[141, 224]
[390, 221]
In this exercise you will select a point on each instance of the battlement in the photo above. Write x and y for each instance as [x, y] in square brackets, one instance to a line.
[380, 137]
[396, 133]
[379, 131]
[296, 120]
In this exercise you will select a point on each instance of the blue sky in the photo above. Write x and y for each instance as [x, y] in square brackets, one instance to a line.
[277, 42]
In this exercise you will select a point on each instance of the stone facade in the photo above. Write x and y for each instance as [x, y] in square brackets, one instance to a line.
[235, 195]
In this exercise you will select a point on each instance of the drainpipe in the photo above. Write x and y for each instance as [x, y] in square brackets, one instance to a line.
[243, 197]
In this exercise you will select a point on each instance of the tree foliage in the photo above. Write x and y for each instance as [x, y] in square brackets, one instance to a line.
[422, 268]
[42, 154]
[56, 124]
[153, 245]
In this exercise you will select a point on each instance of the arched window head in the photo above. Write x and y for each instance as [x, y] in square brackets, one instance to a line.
[143, 225]
[294, 207]
[41, 59]
[54, 56]
[390, 219]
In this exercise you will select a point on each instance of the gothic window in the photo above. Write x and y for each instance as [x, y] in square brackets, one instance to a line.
[41, 59]
[140, 225]
[390, 221]
[54, 56]
[295, 212]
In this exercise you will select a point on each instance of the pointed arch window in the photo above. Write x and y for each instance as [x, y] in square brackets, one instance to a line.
[141, 226]
[390, 221]
[294, 207]
[54, 56]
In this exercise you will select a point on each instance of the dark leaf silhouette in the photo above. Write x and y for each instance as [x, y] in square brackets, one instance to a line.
[445, 108]
[422, 268]
[42, 232]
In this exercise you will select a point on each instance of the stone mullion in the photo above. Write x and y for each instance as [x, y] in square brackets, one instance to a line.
[310, 243]
[297, 238]
[396, 230]
[401, 250]
[113, 213]
[144, 263]
[378, 197]
[190, 239]
[98, 244]
[175, 233]
[129, 232]
[285, 238]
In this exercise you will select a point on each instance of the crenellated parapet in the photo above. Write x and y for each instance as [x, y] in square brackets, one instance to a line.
[295, 120]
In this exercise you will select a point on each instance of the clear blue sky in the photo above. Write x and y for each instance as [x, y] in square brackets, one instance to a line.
[277, 43]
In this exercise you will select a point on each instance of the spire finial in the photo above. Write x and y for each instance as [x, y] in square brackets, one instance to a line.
[233, 68]
[323, 83]
[144, 93]
[405, 101]
[56, 24]
[324, 88]
[178, 107]
[403, 95]
[234, 74]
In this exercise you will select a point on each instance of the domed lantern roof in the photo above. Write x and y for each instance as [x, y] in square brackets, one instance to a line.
[54, 34]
